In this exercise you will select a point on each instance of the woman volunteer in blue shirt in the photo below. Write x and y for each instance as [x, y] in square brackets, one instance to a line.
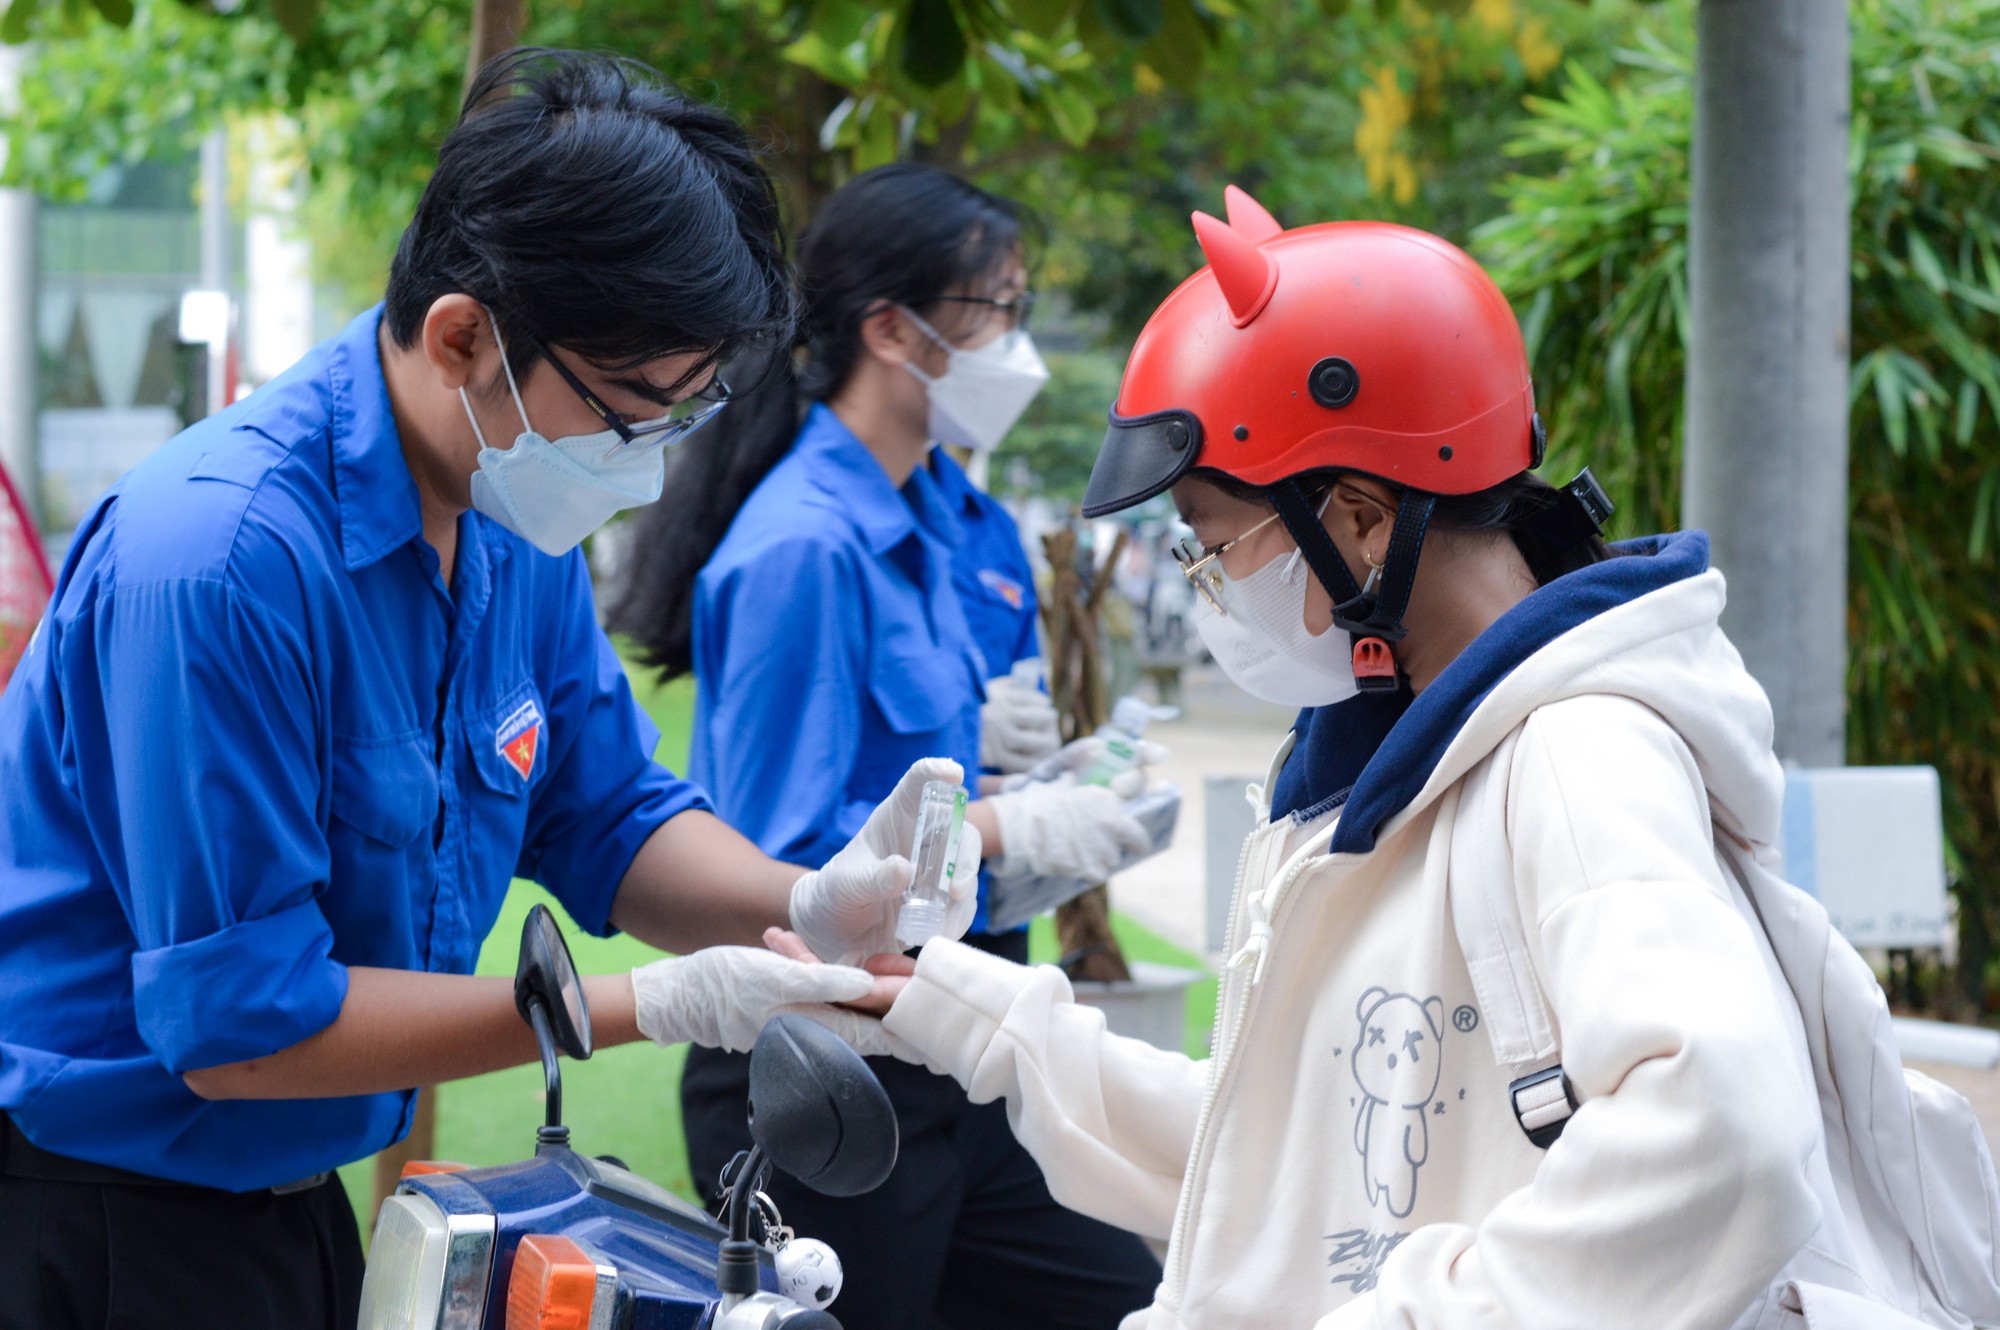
[831, 640]
[322, 674]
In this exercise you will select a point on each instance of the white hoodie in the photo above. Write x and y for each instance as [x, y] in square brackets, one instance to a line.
[1347, 1157]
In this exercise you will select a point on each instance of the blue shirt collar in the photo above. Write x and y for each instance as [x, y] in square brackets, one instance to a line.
[960, 494]
[372, 482]
[840, 464]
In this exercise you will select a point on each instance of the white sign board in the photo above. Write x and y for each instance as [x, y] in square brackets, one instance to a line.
[85, 449]
[1869, 843]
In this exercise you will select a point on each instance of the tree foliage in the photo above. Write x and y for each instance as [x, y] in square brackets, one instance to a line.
[1397, 112]
[845, 82]
[1595, 253]
[1295, 108]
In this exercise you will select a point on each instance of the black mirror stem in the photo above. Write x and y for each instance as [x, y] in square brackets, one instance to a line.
[736, 1270]
[552, 1132]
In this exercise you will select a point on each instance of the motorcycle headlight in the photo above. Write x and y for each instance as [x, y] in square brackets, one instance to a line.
[427, 1267]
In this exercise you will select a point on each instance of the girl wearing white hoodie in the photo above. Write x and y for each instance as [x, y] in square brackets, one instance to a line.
[1520, 713]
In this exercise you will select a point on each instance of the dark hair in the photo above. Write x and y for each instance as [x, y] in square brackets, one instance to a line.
[585, 202]
[1543, 520]
[903, 234]
[1547, 524]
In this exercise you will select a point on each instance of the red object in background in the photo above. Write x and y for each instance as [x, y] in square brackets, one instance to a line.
[25, 583]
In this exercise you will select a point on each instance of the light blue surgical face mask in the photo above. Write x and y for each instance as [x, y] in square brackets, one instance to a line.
[554, 492]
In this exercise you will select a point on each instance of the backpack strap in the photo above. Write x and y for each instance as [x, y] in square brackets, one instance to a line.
[1513, 1007]
[1543, 1103]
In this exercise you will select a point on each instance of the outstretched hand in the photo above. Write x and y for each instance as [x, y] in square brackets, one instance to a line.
[892, 971]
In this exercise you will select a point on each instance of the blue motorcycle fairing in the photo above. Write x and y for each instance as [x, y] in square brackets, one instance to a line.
[664, 1248]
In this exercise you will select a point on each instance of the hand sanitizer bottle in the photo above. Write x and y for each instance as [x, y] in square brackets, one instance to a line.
[940, 820]
[1120, 753]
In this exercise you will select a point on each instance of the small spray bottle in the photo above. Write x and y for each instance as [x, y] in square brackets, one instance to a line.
[940, 820]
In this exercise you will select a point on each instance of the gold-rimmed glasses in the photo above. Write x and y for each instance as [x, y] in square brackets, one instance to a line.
[1202, 565]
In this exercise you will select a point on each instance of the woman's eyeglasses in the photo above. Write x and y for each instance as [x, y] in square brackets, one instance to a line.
[1018, 309]
[1202, 566]
[680, 420]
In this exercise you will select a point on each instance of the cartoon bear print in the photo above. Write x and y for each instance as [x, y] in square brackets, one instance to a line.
[1397, 1060]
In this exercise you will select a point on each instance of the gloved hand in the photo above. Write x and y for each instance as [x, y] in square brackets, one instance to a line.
[846, 911]
[720, 997]
[1075, 757]
[1017, 726]
[863, 1030]
[1069, 830]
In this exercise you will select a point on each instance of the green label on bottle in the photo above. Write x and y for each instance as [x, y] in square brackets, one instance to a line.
[952, 836]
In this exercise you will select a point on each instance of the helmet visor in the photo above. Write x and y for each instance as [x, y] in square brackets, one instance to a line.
[1142, 456]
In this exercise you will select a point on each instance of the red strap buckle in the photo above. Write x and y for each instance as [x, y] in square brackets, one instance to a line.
[1374, 666]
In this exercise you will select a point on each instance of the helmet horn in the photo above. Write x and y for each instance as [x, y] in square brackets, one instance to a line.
[1247, 217]
[1246, 274]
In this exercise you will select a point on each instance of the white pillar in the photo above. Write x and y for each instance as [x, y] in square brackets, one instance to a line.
[216, 273]
[1768, 358]
[19, 354]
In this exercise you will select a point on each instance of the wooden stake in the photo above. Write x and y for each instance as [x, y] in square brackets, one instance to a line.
[1077, 687]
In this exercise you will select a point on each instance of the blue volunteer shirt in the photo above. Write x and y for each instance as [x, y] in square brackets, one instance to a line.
[989, 568]
[830, 647]
[258, 741]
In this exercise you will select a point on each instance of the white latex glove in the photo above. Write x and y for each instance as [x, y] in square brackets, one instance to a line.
[720, 997]
[1017, 726]
[846, 911]
[1073, 758]
[1068, 830]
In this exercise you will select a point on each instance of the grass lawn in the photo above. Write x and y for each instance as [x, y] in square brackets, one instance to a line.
[626, 1101]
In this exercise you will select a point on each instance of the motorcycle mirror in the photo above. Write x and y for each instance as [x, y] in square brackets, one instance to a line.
[546, 972]
[817, 1110]
[549, 996]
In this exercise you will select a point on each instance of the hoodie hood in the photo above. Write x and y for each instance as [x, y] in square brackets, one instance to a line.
[1644, 625]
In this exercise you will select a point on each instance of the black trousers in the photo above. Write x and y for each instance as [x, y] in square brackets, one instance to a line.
[107, 1256]
[964, 1234]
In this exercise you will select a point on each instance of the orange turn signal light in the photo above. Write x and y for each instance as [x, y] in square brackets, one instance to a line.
[553, 1287]
[419, 1167]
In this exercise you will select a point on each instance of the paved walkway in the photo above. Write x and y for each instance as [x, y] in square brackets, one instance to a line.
[1223, 732]
[1220, 732]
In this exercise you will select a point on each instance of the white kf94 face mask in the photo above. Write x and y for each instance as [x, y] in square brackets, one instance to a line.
[982, 392]
[1259, 635]
[554, 492]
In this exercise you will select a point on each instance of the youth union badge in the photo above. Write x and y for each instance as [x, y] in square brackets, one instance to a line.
[1003, 586]
[518, 737]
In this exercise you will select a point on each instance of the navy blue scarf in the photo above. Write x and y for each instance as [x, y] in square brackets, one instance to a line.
[1374, 752]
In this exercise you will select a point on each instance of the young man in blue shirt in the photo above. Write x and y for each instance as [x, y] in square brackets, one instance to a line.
[323, 674]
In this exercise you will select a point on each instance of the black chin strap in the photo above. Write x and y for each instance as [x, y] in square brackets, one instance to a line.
[1377, 613]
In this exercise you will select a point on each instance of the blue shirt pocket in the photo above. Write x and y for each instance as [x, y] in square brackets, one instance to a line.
[382, 876]
[918, 692]
[509, 742]
[386, 789]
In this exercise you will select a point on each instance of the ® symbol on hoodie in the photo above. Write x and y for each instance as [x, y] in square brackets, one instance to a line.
[1397, 1060]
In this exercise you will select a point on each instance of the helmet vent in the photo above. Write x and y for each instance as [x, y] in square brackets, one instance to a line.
[1333, 382]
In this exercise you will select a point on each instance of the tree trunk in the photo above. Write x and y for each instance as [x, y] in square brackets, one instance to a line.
[496, 26]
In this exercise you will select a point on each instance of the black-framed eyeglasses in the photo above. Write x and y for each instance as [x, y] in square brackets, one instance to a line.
[680, 420]
[1018, 309]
